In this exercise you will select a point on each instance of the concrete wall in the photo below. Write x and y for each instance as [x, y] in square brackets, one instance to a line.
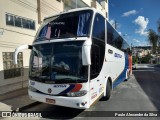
[50, 7]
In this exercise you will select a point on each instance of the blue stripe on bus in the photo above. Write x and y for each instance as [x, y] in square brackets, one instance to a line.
[68, 89]
[122, 76]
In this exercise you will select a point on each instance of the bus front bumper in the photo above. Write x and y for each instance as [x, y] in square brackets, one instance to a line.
[73, 102]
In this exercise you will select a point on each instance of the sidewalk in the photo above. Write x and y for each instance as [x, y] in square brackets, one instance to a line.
[15, 104]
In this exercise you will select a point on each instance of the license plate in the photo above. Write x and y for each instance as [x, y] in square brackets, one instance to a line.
[50, 101]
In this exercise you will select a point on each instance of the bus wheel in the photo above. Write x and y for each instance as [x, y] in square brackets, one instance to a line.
[108, 91]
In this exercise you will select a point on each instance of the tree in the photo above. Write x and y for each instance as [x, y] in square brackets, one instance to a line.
[153, 39]
[158, 30]
[158, 22]
[146, 59]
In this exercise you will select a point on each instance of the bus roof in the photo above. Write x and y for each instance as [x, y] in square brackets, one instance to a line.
[74, 10]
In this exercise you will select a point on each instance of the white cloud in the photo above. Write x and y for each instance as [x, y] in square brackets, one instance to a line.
[132, 12]
[135, 40]
[142, 22]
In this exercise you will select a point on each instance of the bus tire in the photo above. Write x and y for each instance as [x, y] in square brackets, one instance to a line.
[108, 91]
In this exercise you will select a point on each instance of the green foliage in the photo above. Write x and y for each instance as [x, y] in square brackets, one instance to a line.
[153, 39]
[135, 59]
[146, 59]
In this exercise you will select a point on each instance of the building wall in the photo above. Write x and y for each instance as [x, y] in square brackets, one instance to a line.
[12, 36]
[50, 7]
[102, 6]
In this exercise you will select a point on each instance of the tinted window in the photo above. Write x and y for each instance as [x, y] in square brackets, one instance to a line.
[99, 27]
[59, 62]
[114, 39]
[126, 47]
[66, 25]
[95, 61]
[17, 21]
[9, 19]
[25, 23]
[97, 57]
[32, 24]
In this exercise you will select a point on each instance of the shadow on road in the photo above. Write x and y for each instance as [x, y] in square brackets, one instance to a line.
[57, 112]
[149, 80]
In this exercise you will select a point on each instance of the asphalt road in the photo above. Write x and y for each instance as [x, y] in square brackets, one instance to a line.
[140, 93]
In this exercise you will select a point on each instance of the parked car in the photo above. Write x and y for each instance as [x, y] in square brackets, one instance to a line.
[134, 66]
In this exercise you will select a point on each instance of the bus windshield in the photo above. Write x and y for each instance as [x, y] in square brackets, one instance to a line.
[68, 25]
[58, 62]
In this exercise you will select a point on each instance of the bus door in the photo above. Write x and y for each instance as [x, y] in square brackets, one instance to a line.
[94, 72]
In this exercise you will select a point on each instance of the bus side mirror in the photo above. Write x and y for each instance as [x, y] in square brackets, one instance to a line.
[17, 50]
[86, 52]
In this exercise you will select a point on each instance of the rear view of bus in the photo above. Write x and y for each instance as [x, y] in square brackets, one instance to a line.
[72, 63]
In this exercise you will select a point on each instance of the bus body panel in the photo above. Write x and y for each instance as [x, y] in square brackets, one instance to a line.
[73, 102]
[117, 63]
[58, 89]
[43, 93]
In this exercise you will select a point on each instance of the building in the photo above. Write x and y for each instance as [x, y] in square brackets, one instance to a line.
[141, 51]
[20, 19]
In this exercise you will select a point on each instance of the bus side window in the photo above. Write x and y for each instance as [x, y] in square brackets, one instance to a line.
[110, 36]
[99, 28]
[95, 61]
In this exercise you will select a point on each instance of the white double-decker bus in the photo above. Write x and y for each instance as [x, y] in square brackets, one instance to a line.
[77, 57]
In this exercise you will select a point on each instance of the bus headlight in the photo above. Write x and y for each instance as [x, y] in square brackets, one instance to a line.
[77, 94]
[32, 89]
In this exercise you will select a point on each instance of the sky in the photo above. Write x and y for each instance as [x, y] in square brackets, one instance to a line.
[134, 18]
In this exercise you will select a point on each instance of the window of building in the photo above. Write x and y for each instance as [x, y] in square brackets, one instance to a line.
[25, 23]
[18, 21]
[10, 69]
[99, 27]
[9, 19]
